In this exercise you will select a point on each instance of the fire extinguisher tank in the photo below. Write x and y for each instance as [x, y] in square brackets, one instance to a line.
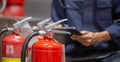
[47, 50]
[16, 2]
[11, 48]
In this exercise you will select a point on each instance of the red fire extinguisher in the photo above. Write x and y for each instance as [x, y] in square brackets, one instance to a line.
[12, 44]
[40, 26]
[46, 49]
[15, 8]
[12, 8]
[11, 47]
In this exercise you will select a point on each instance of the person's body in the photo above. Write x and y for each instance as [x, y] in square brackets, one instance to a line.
[95, 19]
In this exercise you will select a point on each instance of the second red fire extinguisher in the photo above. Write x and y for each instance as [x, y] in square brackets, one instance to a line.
[46, 49]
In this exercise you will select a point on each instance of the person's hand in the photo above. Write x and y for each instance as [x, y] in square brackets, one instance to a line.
[58, 26]
[89, 38]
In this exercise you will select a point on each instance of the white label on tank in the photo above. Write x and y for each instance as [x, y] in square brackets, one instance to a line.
[9, 49]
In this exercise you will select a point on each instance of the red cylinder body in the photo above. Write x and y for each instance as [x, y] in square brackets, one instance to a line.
[14, 10]
[47, 50]
[11, 48]
[1, 14]
[0, 1]
[15, 2]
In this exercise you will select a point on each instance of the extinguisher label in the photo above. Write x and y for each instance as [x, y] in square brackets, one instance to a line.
[9, 59]
[9, 50]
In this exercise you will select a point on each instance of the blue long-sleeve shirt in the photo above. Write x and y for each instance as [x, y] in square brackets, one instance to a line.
[91, 15]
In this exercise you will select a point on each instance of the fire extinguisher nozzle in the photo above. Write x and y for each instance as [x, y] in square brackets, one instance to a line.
[3, 30]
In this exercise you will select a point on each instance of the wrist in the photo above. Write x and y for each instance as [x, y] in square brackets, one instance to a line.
[104, 36]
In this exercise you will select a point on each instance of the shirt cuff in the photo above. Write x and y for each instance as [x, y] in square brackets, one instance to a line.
[114, 31]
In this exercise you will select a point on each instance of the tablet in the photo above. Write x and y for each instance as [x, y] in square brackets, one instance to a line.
[73, 31]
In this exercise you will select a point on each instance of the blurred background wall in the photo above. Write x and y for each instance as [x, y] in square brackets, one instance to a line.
[38, 8]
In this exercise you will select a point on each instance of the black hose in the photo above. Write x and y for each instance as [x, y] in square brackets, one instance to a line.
[24, 47]
[3, 30]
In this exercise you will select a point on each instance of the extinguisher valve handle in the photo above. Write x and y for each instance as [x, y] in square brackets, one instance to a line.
[42, 23]
[20, 23]
[53, 24]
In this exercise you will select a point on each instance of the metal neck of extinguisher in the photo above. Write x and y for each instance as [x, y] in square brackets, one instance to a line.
[16, 31]
[41, 32]
[4, 3]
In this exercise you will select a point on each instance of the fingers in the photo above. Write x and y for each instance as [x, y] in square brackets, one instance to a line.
[74, 37]
[84, 41]
[87, 43]
[85, 35]
[84, 32]
[89, 38]
[86, 38]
